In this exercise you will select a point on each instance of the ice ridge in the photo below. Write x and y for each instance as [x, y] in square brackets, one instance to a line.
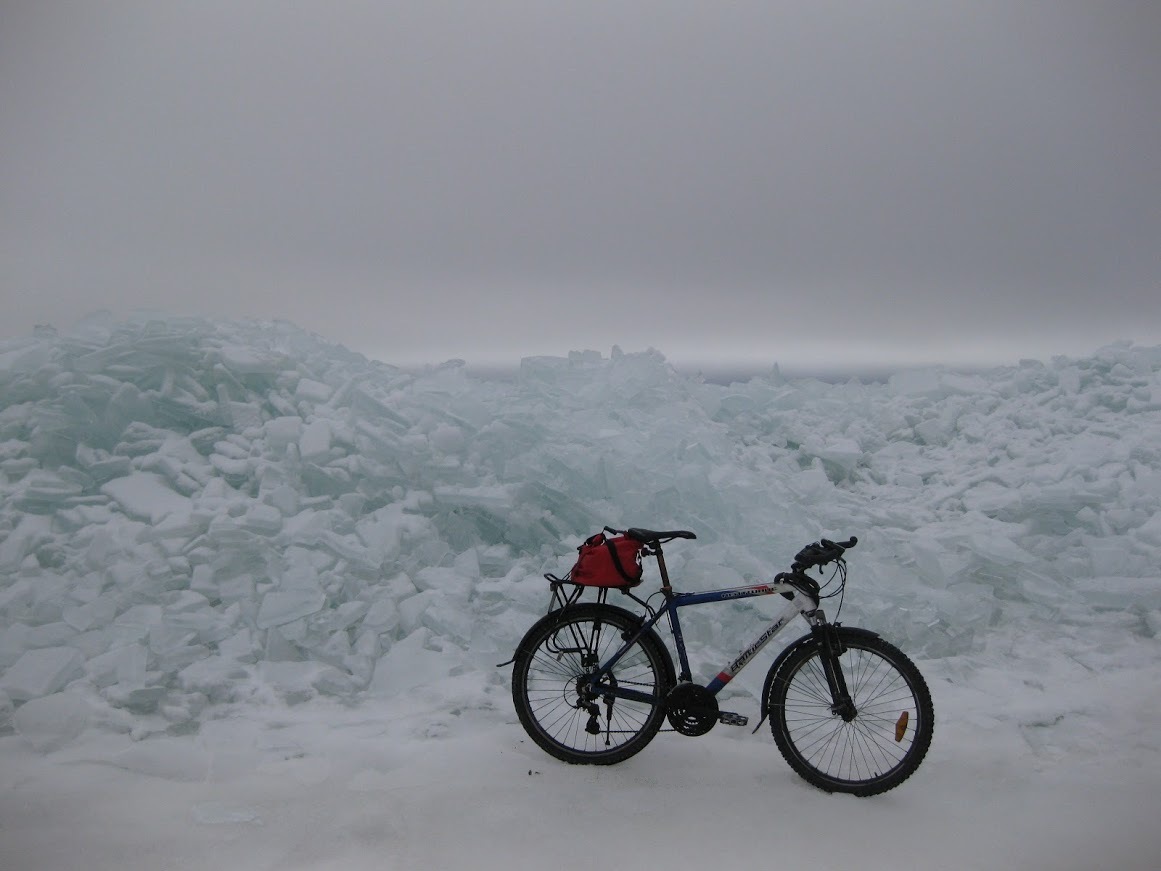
[195, 512]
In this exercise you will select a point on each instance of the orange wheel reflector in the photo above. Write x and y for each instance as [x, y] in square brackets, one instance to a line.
[901, 727]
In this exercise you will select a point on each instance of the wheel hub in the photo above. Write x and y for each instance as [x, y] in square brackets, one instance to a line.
[846, 710]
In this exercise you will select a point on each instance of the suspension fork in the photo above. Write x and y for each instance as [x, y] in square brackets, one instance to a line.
[831, 648]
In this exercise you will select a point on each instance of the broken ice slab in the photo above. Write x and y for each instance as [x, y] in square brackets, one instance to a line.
[123, 664]
[496, 496]
[993, 499]
[235, 471]
[140, 439]
[996, 548]
[244, 415]
[41, 672]
[284, 606]
[52, 721]
[136, 699]
[261, 519]
[242, 360]
[936, 565]
[239, 646]
[107, 468]
[186, 414]
[410, 663]
[494, 560]
[325, 481]
[1121, 593]
[300, 681]
[135, 624]
[42, 492]
[17, 467]
[146, 496]
[358, 558]
[313, 391]
[315, 441]
[844, 453]
[30, 533]
[204, 440]
[91, 615]
[382, 616]
[15, 600]
[213, 676]
[282, 432]
[54, 634]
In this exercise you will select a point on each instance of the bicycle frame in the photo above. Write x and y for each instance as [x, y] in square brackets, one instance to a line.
[798, 603]
[593, 683]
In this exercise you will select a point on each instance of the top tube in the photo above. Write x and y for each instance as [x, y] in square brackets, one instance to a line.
[682, 599]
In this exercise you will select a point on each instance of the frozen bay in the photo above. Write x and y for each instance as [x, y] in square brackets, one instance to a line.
[248, 578]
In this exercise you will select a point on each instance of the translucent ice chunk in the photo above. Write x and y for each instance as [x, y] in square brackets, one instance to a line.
[31, 531]
[146, 496]
[1123, 593]
[42, 491]
[50, 722]
[299, 681]
[125, 664]
[262, 519]
[41, 672]
[282, 432]
[408, 664]
[284, 606]
[313, 391]
[315, 440]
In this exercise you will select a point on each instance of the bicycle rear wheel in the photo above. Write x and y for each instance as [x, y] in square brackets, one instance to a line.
[549, 671]
[891, 728]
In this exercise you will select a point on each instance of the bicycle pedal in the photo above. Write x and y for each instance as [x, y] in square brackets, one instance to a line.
[728, 719]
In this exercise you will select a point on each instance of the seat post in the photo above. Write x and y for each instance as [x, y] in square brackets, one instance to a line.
[665, 588]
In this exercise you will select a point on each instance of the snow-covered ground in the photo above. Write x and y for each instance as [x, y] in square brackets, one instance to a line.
[253, 589]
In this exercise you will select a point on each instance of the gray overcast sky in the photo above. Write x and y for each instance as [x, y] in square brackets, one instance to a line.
[791, 182]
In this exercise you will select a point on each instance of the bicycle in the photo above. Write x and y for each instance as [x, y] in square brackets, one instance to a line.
[849, 712]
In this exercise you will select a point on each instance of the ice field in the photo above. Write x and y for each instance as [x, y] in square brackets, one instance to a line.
[254, 587]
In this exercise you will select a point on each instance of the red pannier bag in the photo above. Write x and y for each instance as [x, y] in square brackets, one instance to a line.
[608, 562]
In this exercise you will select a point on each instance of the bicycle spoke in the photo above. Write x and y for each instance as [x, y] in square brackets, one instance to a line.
[558, 700]
[861, 752]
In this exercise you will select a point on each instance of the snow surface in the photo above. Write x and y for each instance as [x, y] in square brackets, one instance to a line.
[253, 588]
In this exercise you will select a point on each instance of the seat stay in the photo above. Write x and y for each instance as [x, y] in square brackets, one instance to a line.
[602, 673]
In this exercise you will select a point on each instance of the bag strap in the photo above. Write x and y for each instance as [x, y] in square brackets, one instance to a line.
[629, 579]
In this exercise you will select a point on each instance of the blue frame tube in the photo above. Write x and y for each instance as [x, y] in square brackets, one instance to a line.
[673, 601]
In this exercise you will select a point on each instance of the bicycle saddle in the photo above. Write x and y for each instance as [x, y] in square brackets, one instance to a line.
[649, 535]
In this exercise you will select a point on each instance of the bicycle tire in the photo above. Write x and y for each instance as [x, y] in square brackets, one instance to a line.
[551, 660]
[887, 739]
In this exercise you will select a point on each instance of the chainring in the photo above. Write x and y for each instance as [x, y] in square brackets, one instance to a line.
[691, 709]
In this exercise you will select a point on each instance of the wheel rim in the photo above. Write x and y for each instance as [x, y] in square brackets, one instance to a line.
[872, 745]
[554, 675]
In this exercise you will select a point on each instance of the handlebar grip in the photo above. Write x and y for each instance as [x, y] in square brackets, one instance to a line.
[849, 543]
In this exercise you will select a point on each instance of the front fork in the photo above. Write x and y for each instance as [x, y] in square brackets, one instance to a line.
[842, 704]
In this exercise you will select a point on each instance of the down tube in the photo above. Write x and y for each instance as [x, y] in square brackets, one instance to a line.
[727, 674]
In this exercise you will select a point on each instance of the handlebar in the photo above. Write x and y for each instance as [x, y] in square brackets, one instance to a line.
[821, 552]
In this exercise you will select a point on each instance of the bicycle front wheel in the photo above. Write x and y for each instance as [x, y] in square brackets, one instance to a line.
[549, 680]
[873, 748]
